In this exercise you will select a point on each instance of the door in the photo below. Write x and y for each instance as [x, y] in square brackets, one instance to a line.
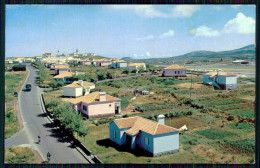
[117, 109]
[128, 141]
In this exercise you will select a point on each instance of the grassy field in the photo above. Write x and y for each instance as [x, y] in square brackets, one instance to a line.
[92, 72]
[13, 82]
[19, 155]
[220, 123]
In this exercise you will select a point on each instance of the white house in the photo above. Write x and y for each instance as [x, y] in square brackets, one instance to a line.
[78, 88]
[136, 66]
[221, 80]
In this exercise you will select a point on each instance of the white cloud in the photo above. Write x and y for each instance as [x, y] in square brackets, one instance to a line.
[135, 55]
[204, 31]
[148, 37]
[184, 10]
[235, 6]
[151, 11]
[167, 34]
[147, 11]
[147, 54]
[241, 24]
[217, 7]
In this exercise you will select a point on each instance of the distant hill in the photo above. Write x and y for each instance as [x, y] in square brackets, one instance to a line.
[247, 53]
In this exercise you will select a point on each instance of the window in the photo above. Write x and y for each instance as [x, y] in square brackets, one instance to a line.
[114, 133]
[110, 105]
[146, 141]
[175, 72]
[84, 108]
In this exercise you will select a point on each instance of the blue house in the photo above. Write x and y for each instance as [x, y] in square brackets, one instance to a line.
[119, 64]
[64, 77]
[154, 137]
[221, 80]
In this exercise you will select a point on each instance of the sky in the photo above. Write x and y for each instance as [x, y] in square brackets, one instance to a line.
[137, 31]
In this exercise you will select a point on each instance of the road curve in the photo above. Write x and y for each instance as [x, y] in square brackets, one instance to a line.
[35, 123]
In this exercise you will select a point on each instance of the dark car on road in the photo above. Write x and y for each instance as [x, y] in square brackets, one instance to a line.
[28, 87]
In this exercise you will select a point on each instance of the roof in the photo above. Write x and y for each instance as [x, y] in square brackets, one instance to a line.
[136, 64]
[214, 73]
[76, 84]
[92, 97]
[61, 67]
[239, 61]
[101, 60]
[142, 124]
[174, 66]
[120, 61]
[63, 75]
[84, 60]
[47, 52]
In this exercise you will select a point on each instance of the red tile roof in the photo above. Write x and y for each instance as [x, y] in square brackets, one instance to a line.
[137, 124]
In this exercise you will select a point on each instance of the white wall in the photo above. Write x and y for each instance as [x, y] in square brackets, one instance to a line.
[72, 92]
[227, 80]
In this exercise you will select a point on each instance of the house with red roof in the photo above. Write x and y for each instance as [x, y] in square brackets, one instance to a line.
[78, 88]
[96, 104]
[137, 132]
[221, 80]
[174, 71]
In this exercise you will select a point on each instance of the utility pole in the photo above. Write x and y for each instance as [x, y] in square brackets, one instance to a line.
[190, 84]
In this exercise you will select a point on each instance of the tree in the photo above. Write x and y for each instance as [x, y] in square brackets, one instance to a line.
[126, 71]
[101, 76]
[109, 75]
[53, 84]
[134, 71]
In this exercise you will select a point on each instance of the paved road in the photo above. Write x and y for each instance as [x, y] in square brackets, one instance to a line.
[35, 123]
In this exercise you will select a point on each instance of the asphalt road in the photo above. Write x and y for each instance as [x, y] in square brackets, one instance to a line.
[35, 123]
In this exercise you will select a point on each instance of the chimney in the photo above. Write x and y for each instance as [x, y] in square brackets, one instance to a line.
[219, 71]
[102, 96]
[160, 118]
[80, 82]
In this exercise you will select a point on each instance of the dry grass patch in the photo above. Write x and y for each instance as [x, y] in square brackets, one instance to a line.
[190, 122]
[188, 85]
[217, 156]
[19, 155]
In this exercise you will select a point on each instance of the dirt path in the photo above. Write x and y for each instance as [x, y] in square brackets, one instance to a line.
[37, 157]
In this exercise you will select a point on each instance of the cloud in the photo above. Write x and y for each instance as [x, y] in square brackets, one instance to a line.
[148, 37]
[147, 11]
[147, 54]
[235, 6]
[184, 10]
[167, 34]
[241, 24]
[135, 55]
[151, 11]
[217, 7]
[204, 31]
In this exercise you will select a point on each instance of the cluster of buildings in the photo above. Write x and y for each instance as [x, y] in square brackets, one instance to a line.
[19, 60]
